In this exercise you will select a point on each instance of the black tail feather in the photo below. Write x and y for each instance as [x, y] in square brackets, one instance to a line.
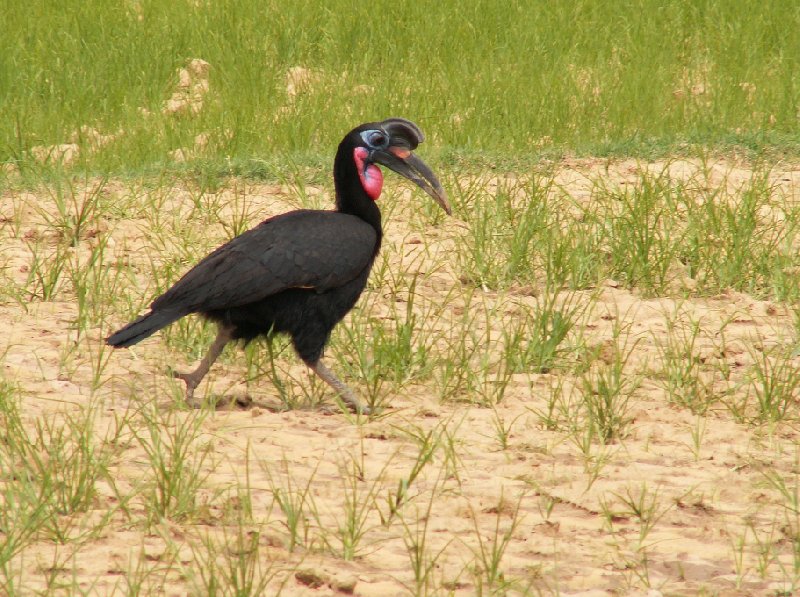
[145, 326]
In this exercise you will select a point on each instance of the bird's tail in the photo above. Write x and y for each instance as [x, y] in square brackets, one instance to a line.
[145, 326]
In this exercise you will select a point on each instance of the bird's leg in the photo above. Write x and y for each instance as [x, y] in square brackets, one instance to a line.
[193, 379]
[346, 393]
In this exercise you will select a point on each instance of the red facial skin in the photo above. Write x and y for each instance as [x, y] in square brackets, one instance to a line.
[371, 177]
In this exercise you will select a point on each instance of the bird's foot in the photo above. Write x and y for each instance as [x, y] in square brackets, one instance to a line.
[355, 405]
[346, 395]
[191, 383]
[331, 409]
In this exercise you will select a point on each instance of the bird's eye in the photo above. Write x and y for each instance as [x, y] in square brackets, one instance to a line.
[377, 139]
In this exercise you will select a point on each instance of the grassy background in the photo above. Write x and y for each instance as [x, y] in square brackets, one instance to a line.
[487, 80]
[528, 380]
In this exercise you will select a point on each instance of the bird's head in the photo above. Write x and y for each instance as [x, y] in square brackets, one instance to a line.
[391, 143]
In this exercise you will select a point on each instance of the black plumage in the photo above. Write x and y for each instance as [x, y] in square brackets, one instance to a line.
[298, 273]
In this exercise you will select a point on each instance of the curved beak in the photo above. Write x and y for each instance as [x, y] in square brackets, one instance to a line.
[404, 162]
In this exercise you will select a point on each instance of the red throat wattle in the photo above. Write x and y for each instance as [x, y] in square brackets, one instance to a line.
[371, 177]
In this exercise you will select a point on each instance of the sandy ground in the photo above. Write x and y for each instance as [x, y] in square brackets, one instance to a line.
[716, 524]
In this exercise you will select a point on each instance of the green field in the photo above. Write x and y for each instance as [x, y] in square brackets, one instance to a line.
[492, 81]
[585, 379]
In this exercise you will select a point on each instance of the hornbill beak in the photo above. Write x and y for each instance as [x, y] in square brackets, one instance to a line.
[404, 162]
[404, 137]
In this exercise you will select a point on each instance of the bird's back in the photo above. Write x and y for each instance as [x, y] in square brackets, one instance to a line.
[304, 249]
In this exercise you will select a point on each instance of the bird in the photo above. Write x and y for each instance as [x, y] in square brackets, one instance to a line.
[298, 273]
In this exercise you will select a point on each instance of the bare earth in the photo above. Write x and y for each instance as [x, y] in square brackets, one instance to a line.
[552, 509]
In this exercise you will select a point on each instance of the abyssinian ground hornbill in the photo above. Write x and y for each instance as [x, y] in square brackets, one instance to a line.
[298, 273]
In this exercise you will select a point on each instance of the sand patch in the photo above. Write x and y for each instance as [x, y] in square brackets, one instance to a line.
[683, 502]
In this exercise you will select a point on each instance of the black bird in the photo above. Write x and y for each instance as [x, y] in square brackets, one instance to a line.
[298, 273]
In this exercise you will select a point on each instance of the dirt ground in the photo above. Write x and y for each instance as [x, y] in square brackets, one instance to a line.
[683, 504]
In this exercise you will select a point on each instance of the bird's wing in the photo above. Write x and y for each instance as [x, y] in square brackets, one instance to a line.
[300, 249]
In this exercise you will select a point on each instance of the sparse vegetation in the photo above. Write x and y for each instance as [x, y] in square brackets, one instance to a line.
[593, 358]
[548, 361]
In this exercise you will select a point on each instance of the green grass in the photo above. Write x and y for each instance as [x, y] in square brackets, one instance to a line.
[492, 343]
[489, 82]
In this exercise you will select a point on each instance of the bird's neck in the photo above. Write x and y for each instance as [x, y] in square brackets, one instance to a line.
[351, 195]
